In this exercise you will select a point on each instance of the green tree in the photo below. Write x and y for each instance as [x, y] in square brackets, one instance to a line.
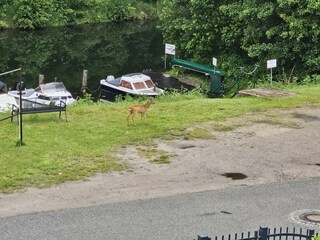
[246, 32]
[33, 14]
[192, 26]
[286, 30]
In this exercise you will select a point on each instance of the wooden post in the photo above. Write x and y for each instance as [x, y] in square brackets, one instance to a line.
[84, 81]
[41, 79]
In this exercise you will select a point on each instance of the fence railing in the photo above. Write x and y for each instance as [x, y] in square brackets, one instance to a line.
[265, 233]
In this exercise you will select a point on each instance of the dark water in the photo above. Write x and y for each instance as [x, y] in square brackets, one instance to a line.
[63, 53]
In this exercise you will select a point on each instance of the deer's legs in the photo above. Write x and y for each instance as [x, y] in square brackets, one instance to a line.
[128, 118]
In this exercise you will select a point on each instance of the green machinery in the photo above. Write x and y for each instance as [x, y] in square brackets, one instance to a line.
[216, 76]
[219, 85]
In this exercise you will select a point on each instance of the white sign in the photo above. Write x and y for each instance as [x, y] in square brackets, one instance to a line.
[272, 63]
[214, 61]
[170, 49]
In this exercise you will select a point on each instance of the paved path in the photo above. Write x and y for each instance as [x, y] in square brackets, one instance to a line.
[232, 210]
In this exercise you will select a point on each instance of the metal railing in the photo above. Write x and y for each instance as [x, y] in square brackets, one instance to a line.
[265, 233]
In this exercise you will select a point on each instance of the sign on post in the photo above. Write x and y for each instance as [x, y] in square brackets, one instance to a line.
[214, 62]
[169, 49]
[271, 64]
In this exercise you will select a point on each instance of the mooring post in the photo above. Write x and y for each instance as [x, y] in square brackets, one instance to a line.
[41, 79]
[84, 81]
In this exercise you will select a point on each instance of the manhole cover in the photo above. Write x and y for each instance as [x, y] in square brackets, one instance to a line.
[309, 217]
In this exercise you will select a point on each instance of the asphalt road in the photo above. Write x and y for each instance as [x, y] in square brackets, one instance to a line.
[233, 210]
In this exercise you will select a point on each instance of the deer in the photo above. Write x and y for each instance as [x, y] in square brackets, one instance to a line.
[139, 108]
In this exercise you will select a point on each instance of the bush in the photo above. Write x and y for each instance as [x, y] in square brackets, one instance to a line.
[33, 14]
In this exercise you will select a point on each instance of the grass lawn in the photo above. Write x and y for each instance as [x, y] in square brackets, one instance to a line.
[56, 151]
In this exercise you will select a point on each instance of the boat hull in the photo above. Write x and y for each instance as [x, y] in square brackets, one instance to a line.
[110, 94]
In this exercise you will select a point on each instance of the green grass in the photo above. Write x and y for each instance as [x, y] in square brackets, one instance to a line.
[56, 151]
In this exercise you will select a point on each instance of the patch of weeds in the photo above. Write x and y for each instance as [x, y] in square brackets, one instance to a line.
[199, 133]
[223, 128]
[289, 124]
[147, 152]
[163, 158]
[305, 117]
[251, 134]
[153, 154]
[174, 134]
[19, 143]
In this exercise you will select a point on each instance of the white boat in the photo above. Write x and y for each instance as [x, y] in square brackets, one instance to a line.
[133, 84]
[47, 94]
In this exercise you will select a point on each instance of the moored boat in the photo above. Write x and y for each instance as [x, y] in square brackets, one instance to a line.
[53, 93]
[134, 84]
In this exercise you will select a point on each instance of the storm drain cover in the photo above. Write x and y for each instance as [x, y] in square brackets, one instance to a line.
[309, 217]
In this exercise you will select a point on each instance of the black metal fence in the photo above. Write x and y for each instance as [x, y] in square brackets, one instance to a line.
[265, 233]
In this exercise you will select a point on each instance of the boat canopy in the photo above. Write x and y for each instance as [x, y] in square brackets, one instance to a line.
[135, 77]
[51, 87]
[138, 81]
[196, 67]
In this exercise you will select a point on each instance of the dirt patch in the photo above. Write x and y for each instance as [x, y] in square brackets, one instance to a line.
[193, 81]
[264, 92]
[256, 148]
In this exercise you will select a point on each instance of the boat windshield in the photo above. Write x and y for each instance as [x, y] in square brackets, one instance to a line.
[139, 85]
[52, 87]
[149, 84]
[125, 84]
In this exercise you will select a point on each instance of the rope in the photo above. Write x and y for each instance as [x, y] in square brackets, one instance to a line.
[251, 72]
[89, 90]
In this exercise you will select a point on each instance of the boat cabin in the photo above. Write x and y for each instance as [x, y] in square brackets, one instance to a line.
[136, 82]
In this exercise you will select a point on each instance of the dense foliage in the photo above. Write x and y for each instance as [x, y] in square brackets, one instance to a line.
[238, 33]
[102, 49]
[42, 13]
[247, 32]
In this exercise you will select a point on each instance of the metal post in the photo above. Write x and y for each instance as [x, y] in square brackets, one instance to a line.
[311, 234]
[165, 61]
[20, 112]
[263, 233]
[271, 77]
[12, 71]
[203, 237]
